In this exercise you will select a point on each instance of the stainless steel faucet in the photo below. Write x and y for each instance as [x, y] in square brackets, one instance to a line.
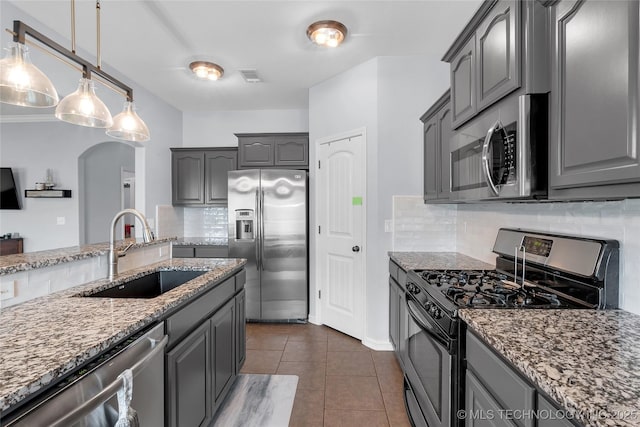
[147, 236]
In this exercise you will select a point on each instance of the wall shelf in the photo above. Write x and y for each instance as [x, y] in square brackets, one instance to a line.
[48, 194]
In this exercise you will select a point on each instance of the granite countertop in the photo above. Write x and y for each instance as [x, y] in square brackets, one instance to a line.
[10, 264]
[202, 241]
[437, 261]
[47, 337]
[587, 360]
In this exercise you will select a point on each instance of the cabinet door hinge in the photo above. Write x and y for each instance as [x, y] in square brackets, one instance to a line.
[318, 229]
[320, 294]
[318, 164]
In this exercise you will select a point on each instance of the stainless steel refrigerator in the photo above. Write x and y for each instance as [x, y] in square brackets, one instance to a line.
[268, 226]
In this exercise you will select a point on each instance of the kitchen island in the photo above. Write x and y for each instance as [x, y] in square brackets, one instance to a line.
[586, 360]
[46, 338]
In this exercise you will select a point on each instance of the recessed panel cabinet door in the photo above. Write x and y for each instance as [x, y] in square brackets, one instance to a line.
[189, 381]
[222, 350]
[595, 95]
[218, 163]
[463, 96]
[256, 152]
[292, 151]
[187, 177]
[498, 53]
[444, 153]
[431, 159]
[241, 337]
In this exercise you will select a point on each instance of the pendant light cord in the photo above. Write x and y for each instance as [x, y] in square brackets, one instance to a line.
[73, 26]
[99, 64]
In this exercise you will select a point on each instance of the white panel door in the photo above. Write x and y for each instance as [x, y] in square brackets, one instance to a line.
[341, 216]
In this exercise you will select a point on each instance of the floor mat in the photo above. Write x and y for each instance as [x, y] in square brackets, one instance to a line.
[258, 401]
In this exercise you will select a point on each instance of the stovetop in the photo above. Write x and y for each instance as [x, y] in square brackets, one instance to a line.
[488, 289]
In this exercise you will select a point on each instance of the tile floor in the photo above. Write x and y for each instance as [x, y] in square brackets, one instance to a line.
[341, 382]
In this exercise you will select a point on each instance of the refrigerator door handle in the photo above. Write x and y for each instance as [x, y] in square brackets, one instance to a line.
[257, 230]
[261, 229]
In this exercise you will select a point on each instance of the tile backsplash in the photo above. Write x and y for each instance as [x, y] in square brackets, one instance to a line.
[205, 222]
[476, 226]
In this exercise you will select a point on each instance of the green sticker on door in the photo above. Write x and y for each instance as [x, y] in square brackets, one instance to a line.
[356, 201]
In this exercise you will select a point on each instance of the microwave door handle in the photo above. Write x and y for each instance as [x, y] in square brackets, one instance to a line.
[485, 157]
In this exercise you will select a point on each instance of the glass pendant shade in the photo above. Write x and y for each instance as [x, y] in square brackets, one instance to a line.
[84, 108]
[22, 83]
[129, 126]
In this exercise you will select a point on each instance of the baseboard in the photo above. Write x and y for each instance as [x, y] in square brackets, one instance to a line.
[312, 319]
[377, 345]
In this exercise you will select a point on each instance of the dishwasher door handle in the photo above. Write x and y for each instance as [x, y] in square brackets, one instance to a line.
[106, 393]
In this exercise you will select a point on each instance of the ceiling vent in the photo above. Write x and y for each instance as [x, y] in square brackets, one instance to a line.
[250, 76]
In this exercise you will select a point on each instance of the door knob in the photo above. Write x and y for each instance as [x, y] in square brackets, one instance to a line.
[356, 249]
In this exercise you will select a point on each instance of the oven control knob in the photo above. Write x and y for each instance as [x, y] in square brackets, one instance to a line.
[411, 287]
[437, 313]
[429, 306]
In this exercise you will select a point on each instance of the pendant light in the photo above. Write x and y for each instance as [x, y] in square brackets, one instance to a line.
[22, 83]
[129, 126]
[83, 107]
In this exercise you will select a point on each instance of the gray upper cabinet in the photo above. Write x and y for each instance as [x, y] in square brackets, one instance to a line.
[187, 173]
[594, 145]
[498, 53]
[463, 77]
[199, 176]
[485, 59]
[283, 150]
[217, 164]
[437, 135]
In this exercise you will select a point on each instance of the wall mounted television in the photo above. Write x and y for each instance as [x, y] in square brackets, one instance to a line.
[8, 191]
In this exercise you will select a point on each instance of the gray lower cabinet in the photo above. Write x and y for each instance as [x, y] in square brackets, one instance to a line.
[280, 150]
[398, 315]
[199, 176]
[189, 390]
[594, 148]
[437, 163]
[205, 353]
[497, 395]
[223, 363]
[241, 337]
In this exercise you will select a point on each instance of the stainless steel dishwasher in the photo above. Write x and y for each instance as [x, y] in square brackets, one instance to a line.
[89, 398]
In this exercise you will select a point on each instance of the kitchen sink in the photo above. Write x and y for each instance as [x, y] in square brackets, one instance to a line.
[149, 286]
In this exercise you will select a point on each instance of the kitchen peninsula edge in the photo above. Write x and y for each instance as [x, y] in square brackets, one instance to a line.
[46, 338]
[10, 264]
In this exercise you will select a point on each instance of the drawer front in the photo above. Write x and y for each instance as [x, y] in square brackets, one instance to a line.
[179, 324]
[212, 251]
[182, 252]
[393, 270]
[501, 380]
[241, 279]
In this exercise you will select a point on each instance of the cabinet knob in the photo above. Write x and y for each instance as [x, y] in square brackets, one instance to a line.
[356, 249]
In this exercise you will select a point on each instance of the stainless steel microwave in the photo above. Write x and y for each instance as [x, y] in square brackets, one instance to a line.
[502, 153]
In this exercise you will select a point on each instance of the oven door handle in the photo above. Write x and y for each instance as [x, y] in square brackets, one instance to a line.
[485, 157]
[427, 327]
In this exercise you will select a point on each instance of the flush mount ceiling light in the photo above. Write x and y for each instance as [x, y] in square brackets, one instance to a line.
[206, 70]
[327, 33]
[21, 83]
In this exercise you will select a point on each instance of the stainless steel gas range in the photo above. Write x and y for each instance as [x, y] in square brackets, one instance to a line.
[533, 270]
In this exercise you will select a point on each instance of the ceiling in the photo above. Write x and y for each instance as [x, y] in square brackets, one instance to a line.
[152, 42]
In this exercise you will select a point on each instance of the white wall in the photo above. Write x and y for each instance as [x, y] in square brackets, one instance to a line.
[217, 128]
[386, 96]
[35, 142]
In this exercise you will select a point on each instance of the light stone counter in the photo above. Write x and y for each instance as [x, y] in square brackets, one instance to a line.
[45, 338]
[202, 241]
[587, 360]
[437, 261]
[10, 264]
